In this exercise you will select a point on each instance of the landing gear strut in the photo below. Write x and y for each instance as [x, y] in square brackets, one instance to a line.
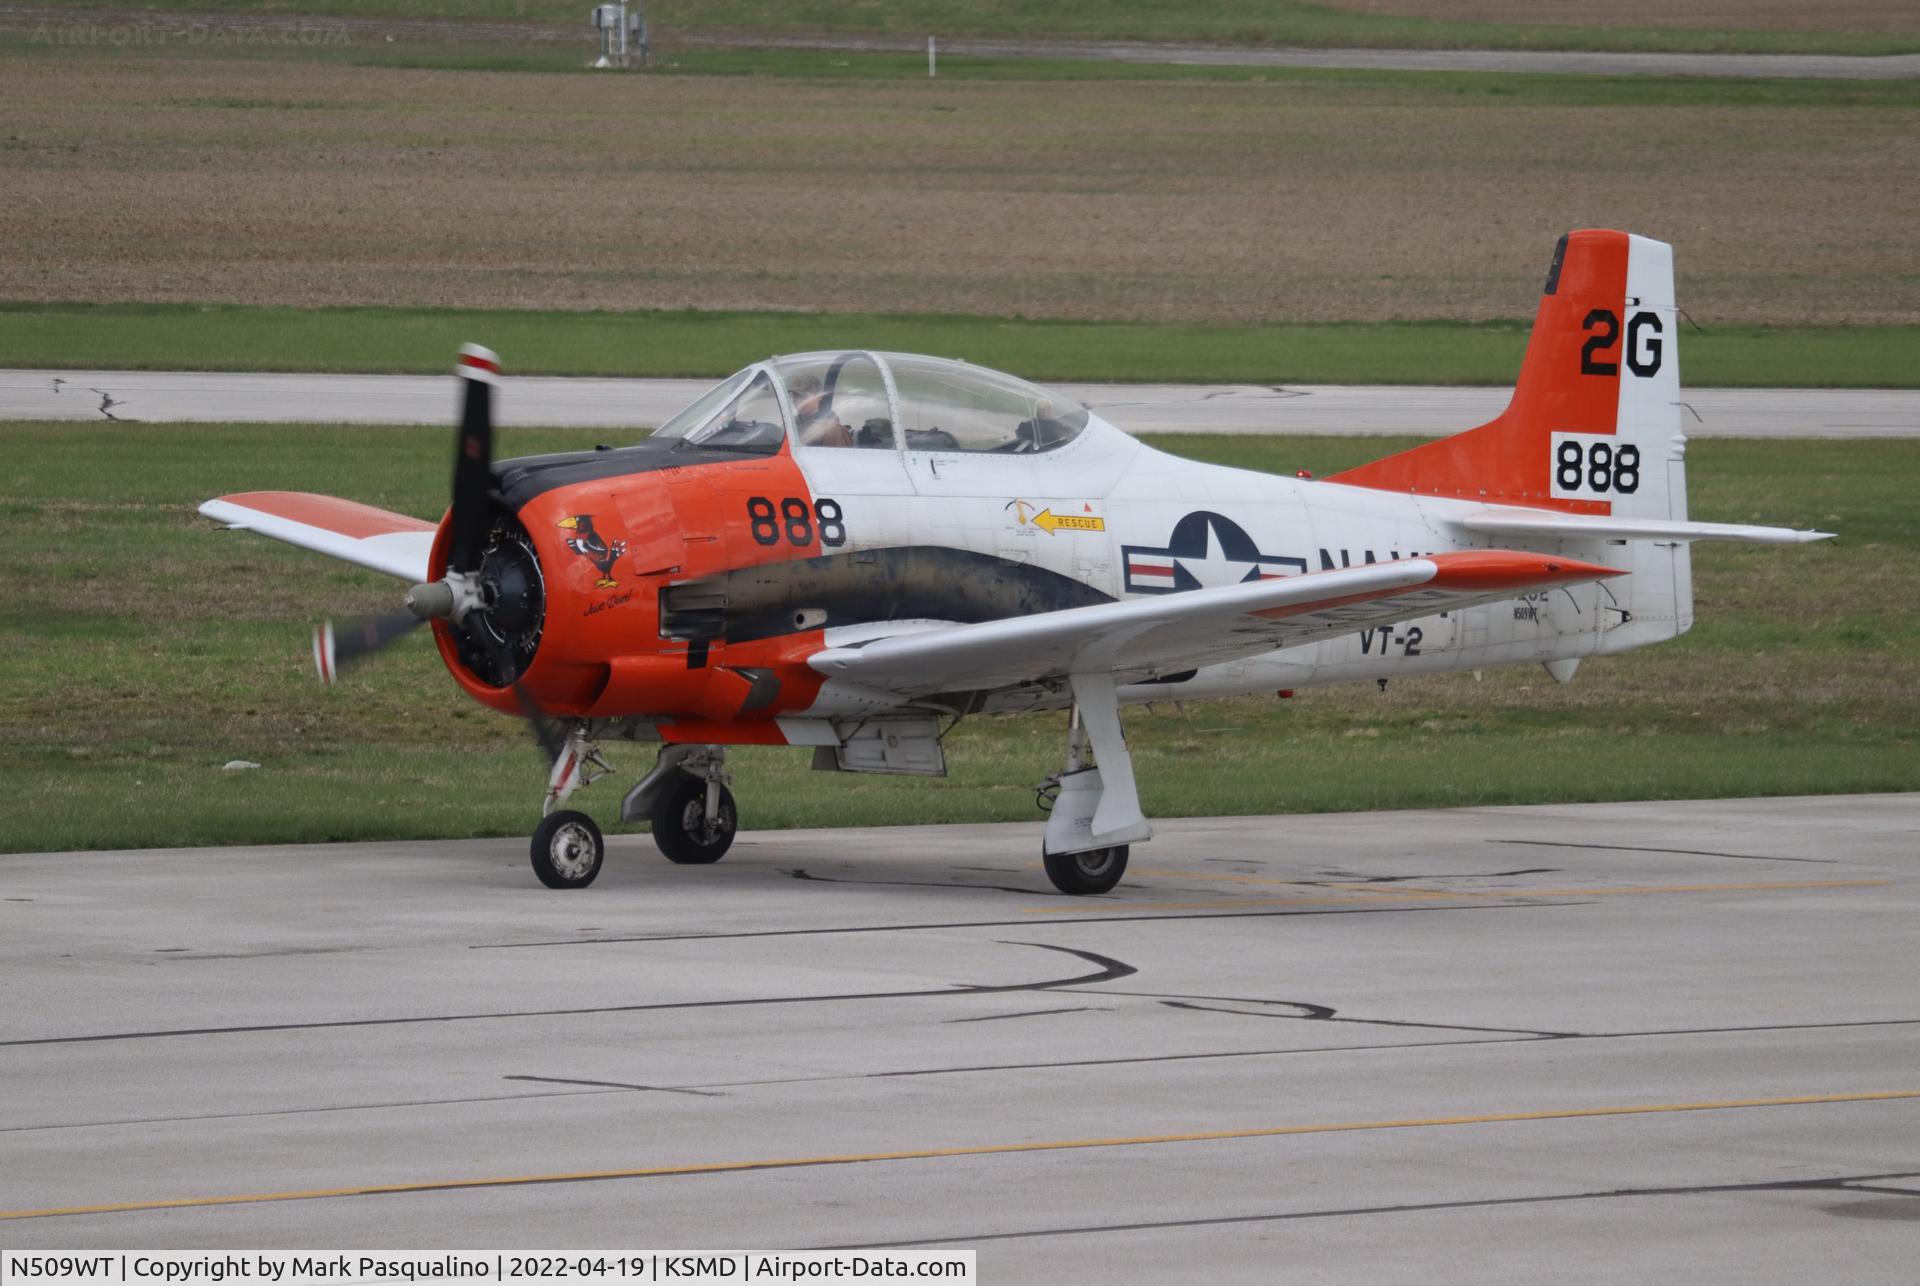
[1096, 808]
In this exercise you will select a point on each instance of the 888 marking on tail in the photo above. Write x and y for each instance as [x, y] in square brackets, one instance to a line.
[1592, 466]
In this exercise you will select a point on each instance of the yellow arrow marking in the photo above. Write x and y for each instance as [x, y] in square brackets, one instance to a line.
[1049, 521]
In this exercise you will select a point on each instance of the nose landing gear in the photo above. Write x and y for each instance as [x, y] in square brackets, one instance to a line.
[567, 850]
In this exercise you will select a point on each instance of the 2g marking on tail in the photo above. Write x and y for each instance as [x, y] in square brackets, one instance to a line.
[1644, 352]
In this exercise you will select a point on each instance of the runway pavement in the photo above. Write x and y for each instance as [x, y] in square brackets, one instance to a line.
[1660, 1041]
[614, 404]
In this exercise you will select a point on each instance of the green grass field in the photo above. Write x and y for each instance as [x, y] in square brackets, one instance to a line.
[240, 338]
[1239, 22]
[141, 649]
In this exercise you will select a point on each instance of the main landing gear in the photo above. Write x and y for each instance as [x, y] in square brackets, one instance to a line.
[1096, 870]
[1095, 819]
[685, 797]
[693, 819]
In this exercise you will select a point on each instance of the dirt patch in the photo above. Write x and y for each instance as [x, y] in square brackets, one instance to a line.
[168, 179]
[1893, 16]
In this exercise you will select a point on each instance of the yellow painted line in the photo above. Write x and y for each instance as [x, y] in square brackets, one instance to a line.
[928, 1154]
[1482, 895]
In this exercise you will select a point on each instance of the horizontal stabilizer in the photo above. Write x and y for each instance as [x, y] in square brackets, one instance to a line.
[378, 539]
[1541, 524]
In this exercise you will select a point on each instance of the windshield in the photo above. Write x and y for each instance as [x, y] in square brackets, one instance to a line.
[739, 414]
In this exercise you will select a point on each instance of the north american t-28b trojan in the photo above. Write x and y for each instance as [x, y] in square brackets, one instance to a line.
[851, 551]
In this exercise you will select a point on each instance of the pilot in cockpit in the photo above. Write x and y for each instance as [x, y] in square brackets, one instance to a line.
[813, 414]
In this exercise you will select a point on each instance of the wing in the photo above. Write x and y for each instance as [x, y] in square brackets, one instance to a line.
[345, 529]
[1551, 525]
[1138, 637]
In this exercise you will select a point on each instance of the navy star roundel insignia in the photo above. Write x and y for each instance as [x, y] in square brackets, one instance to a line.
[1206, 549]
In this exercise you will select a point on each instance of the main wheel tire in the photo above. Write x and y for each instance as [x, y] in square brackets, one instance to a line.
[567, 850]
[1095, 871]
[681, 828]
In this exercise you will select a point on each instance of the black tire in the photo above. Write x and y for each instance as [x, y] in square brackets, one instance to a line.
[1095, 871]
[567, 850]
[681, 829]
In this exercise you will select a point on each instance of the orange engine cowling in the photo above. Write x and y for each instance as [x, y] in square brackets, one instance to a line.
[576, 574]
[599, 552]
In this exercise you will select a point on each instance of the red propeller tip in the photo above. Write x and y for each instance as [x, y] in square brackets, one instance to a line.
[323, 653]
[477, 363]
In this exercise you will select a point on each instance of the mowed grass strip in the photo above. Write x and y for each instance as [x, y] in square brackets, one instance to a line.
[1838, 26]
[1298, 198]
[231, 337]
[142, 648]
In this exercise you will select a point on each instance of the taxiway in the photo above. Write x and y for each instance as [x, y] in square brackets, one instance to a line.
[1597, 1043]
[633, 404]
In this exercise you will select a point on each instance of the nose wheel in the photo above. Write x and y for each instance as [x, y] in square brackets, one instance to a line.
[567, 850]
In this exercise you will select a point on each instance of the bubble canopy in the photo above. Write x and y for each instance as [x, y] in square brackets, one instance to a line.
[857, 400]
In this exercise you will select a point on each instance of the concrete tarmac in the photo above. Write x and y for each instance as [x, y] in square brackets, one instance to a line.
[623, 404]
[1643, 1041]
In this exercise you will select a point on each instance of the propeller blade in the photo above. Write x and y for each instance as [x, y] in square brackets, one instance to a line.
[479, 370]
[545, 730]
[335, 647]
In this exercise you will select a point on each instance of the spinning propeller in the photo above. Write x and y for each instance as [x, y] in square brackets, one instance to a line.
[492, 595]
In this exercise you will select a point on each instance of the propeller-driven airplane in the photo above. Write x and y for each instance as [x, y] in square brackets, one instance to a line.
[852, 551]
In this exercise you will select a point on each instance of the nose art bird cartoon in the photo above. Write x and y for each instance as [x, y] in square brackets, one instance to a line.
[593, 547]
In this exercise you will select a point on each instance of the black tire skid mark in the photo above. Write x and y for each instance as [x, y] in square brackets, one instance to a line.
[1108, 970]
